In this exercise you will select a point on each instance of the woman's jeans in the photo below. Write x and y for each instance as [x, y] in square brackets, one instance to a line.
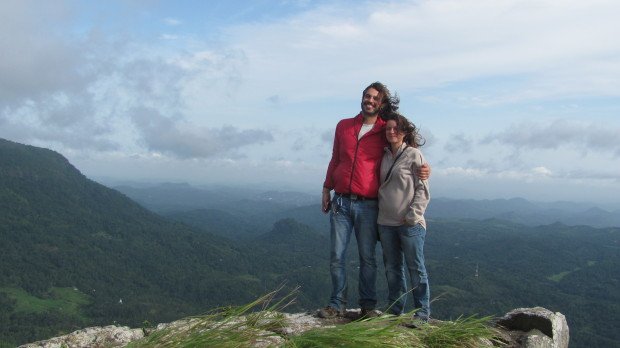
[405, 244]
[348, 215]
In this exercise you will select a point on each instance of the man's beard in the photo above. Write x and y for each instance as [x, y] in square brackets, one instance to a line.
[373, 112]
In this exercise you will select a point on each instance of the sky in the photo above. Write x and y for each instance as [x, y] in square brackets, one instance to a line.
[516, 98]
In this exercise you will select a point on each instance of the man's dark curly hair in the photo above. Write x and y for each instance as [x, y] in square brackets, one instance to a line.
[389, 103]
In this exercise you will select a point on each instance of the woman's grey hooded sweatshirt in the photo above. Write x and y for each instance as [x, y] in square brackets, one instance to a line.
[403, 197]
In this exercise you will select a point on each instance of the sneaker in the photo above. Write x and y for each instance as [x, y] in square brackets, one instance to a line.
[422, 318]
[328, 312]
[415, 323]
[419, 321]
[370, 313]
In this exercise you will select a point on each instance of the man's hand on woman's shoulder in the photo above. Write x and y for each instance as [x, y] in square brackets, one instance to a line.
[424, 172]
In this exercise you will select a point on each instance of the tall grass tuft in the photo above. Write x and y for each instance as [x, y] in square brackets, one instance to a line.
[254, 324]
[389, 331]
[241, 326]
[376, 332]
[467, 332]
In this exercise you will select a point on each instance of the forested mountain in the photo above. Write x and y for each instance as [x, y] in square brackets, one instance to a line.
[120, 262]
[74, 253]
[224, 223]
[486, 266]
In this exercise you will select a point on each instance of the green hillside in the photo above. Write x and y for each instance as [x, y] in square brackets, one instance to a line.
[59, 230]
[490, 266]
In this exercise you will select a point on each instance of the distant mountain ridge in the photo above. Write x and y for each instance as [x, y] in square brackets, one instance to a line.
[177, 200]
[524, 212]
[172, 197]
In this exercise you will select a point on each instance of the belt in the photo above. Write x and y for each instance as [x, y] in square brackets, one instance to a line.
[356, 197]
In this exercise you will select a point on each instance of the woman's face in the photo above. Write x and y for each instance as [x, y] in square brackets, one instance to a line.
[393, 135]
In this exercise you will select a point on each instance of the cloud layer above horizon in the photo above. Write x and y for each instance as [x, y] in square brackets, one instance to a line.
[516, 91]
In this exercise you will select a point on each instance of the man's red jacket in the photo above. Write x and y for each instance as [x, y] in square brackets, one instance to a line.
[354, 167]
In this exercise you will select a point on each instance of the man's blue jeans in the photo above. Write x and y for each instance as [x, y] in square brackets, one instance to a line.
[346, 216]
[405, 244]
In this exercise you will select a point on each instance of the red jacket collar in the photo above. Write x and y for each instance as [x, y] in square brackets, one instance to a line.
[359, 120]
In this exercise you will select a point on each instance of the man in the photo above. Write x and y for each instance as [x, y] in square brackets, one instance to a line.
[353, 173]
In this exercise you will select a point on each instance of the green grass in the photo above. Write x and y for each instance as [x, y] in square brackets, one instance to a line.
[66, 300]
[558, 277]
[241, 326]
[389, 331]
[4, 344]
[378, 332]
[468, 332]
[256, 322]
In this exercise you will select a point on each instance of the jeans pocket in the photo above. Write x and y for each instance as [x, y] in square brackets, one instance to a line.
[336, 202]
[415, 230]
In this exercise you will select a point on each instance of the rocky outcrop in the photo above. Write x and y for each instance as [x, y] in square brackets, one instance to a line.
[521, 328]
[107, 336]
[535, 328]
[120, 336]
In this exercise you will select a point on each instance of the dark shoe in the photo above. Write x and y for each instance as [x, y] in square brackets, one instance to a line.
[419, 321]
[415, 323]
[422, 318]
[328, 312]
[370, 313]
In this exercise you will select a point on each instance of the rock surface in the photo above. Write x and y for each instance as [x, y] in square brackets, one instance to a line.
[536, 327]
[520, 328]
[107, 336]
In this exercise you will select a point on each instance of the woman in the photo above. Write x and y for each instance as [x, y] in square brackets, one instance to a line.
[403, 198]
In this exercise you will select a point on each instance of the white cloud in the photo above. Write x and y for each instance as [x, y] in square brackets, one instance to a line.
[584, 136]
[82, 93]
[172, 21]
[166, 135]
[526, 175]
[37, 61]
[555, 49]
[462, 172]
[541, 171]
[459, 143]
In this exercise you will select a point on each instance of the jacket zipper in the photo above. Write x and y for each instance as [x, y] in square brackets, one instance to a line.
[357, 145]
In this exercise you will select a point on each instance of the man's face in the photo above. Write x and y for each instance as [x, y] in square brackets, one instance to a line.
[371, 102]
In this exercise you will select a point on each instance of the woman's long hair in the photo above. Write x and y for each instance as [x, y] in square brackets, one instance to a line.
[403, 125]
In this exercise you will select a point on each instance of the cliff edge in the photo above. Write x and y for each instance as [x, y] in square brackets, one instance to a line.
[523, 327]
